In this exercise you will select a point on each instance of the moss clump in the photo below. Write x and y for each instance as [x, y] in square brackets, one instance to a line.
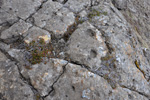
[93, 13]
[104, 13]
[41, 41]
[112, 83]
[37, 97]
[39, 49]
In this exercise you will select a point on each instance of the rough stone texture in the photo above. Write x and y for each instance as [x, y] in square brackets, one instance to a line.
[100, 50]
[86, 46]
[16, 29]
[77, 5]
[2, 57]
[127, 57]
[54, 17]
[18, 8]
[120, 4]
[34, 33]
[137, 15]
[42, 76]
[125, 94]
[11, 86]
[79, 81]
[81, 84]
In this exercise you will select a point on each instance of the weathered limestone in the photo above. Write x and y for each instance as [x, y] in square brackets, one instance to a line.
[11, 85]
[54, 17]
[19, 8]
[98, 50]
[125, 51]
[16, 29]
[79, 84]
[120, 4]
[86, 46]
[2, 57]
[35, 33]
[42, 76]
[77, 5]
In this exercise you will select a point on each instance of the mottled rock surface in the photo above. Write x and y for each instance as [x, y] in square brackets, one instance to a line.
[74, 50]
[11, 86]
[54, 17]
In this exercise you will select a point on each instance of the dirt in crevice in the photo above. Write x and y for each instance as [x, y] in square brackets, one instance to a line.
[72, 28]
[137, 64]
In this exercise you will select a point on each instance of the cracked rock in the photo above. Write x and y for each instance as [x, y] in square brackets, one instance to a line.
[125, 94]
[95, 50]
[6, 17]
[78, 5]
[11, 85]
[86, 46]
[19, 8]
[2, 57]
[42, 76]
[121, 45]
[35, 33]
[54, 17]
[16, 29]
[120, 4]
[79, 84]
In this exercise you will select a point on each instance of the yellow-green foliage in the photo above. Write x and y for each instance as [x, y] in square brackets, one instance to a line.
[38, 49]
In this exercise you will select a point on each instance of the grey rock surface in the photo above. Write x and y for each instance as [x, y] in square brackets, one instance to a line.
[77, 5]
[74, 50]
[42, 76]
[35, 32]
[12, 87]
[120, 4]
[19, 8]
[86, 46]
[54, 17]
[81, 84]
[79, 81]
[16, 29]
[3, 57]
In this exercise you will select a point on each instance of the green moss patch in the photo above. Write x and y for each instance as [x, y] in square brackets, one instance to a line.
[94, 13]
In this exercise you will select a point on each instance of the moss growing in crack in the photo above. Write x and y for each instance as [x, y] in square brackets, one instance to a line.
[112, 83]
[104, 13]
[39, 49]
[80, 21]
[37, 97]
[94, 13]
[108, 67]
[71, 29]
